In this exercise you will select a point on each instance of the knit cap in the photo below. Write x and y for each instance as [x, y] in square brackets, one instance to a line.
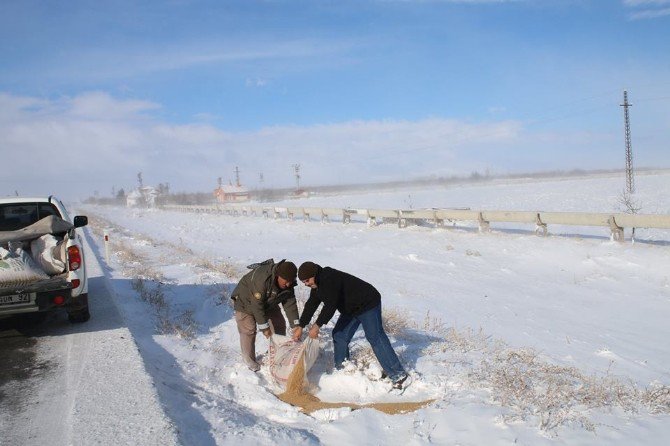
[286, 270]
[307, 270]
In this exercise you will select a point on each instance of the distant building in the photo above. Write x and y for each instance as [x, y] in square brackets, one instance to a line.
[144, 197]
[231, 194]
[300, 193]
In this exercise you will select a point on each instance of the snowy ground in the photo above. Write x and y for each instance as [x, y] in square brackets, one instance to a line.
[519, 339]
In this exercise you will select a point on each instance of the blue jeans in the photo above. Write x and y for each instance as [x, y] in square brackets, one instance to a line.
[344, 331]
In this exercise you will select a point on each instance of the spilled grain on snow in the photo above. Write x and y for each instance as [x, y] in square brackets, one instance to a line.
[296, 394]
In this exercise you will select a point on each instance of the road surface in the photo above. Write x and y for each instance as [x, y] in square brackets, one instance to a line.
[77, 384]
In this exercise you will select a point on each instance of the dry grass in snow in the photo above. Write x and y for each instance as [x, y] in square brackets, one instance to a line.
[526, 386]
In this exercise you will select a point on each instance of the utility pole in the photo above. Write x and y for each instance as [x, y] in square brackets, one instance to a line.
[296, 168]
[630, 182]
[237, 176]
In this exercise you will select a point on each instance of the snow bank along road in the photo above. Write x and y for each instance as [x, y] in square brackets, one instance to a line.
[569, 310]
[64, 384]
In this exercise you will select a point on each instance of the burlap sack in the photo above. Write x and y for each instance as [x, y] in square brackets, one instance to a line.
[285, 354]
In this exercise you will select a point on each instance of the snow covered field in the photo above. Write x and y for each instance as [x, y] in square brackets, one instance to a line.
[517, 338]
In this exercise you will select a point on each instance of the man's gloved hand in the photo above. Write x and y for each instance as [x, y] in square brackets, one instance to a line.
[297, 333]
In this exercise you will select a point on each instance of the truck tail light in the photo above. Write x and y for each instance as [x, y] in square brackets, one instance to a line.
[76, 283]
[74, 257]
[59, 300]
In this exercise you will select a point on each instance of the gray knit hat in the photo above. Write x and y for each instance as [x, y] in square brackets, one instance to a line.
[287, 271]
[307, 270]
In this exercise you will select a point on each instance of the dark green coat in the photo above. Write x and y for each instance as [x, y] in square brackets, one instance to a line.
[257, 293]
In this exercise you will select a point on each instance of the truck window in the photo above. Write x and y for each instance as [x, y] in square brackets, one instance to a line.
[15, 216]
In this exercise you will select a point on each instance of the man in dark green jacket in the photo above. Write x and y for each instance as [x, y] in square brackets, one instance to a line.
[359, 303]
[257, 298]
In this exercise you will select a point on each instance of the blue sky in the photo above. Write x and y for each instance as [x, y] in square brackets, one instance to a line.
[354, 91]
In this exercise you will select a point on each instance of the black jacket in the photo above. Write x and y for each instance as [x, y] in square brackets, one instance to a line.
[339, 291]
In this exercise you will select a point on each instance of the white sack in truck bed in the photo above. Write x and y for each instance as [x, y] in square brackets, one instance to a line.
[18, 269]
[49, 254]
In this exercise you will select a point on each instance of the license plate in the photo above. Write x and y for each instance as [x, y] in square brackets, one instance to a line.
[15, 299]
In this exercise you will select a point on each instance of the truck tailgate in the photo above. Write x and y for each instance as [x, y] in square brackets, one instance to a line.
[52, 284]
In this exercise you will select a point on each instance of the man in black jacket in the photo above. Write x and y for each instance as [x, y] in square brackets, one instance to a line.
[359, 303]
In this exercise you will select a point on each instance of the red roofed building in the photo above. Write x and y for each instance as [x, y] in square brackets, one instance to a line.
[231, 194]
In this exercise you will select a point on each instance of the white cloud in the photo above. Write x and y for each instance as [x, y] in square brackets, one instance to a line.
[98, 105]
[455, 1]
[650, 14]
[105, 63]
[73, 146]
[634, 3]
[256, 82]
[647, 9]
[496, 109]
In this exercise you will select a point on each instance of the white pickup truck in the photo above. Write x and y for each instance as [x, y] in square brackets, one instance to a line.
[22, 222]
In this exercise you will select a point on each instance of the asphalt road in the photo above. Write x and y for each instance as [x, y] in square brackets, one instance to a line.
[65, 384]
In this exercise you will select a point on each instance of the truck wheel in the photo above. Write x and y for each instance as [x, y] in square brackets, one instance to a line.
[79, 312]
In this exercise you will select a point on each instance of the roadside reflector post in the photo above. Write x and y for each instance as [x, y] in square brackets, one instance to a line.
[106, 238]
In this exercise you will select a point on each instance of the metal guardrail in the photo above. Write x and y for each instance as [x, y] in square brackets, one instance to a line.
[616, 222]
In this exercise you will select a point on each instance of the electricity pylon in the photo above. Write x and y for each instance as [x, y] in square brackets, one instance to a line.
[630, 182]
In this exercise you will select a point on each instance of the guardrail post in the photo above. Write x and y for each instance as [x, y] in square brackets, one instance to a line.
[305, 215]
[540, 227]
[324, 217]
[402, 222]
[346, 217]
[438, 222]
[484, 226]
[616, 230]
